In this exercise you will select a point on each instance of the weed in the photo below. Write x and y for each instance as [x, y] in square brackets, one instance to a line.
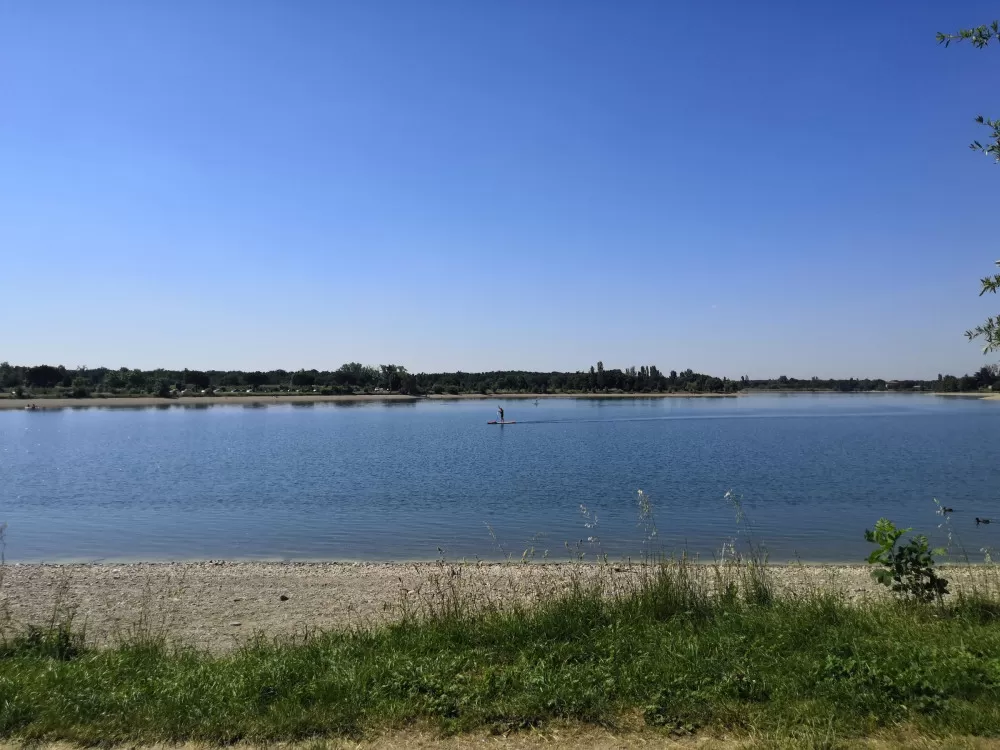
[755, 582]
[58, 641]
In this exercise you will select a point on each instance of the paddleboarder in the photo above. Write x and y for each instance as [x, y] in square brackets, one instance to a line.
[500, 413]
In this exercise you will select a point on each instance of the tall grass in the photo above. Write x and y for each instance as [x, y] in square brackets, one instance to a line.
[672, 644]
[683, 647]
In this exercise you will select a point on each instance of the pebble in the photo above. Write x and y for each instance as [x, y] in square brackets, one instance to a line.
[235, 623]
[283, 598]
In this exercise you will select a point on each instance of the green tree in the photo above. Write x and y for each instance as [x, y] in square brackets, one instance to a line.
[987, 375]
[197, 378]
[255, 379]
[388, 376]
[116, 379]
[408, 383]
[980, 37]
[304, 377]
[9, 376]
[354, 374]
[45, 376]
[137, 380]
[81, 387]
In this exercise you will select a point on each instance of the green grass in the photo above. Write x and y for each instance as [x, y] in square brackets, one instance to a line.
[673, 655]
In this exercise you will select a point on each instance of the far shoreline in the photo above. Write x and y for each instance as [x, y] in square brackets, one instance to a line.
[285, 398]
[125, 402]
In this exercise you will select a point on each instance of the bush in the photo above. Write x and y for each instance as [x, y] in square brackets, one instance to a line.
[907, 569]
[80, 388]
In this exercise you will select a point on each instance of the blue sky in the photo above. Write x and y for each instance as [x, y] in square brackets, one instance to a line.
[739, 188]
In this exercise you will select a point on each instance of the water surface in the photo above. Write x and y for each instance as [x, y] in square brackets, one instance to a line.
[402, 481]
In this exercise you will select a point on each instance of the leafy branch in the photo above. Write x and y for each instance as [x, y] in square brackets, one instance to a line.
[990, 149]
[990, 330]
[979, 37]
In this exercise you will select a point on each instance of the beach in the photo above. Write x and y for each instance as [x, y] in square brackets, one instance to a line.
[217, 605]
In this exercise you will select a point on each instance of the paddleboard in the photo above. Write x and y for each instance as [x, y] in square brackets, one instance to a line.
[495, 422]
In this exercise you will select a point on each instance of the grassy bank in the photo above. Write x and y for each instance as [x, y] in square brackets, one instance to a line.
[682, 652]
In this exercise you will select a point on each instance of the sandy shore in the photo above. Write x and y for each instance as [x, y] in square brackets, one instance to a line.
[977, 396]
[263, 399]
[217, 605]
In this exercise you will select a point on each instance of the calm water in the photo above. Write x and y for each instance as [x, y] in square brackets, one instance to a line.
[399, 481]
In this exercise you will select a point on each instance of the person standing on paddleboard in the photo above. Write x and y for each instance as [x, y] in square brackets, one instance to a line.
[500, 412]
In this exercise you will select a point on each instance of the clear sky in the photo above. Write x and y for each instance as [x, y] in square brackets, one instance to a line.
[740, 188]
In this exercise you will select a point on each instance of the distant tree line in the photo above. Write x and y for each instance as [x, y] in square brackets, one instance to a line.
[354, 377]
[987, 378]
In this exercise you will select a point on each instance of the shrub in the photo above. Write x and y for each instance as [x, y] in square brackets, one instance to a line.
[908, 569]
[81, 388]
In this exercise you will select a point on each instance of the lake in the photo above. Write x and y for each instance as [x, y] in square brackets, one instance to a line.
[415, 481]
